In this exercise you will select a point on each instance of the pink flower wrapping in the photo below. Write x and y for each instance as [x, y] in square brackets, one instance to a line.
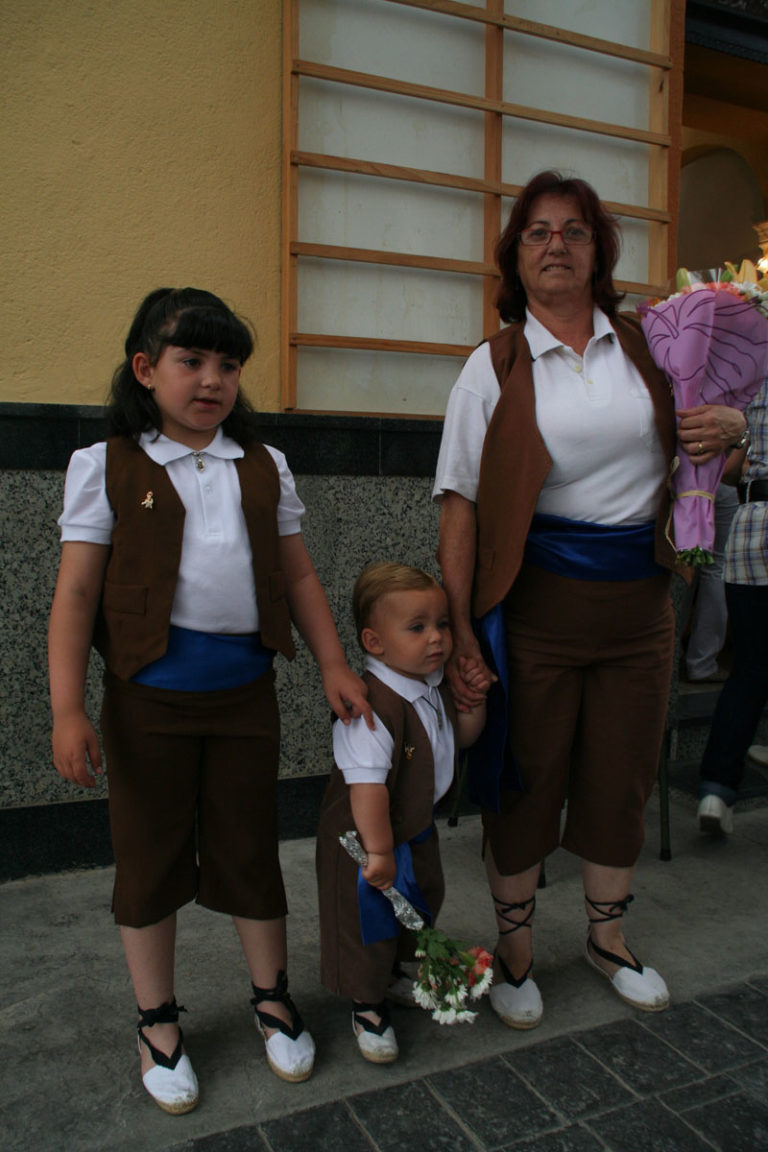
[711, 341]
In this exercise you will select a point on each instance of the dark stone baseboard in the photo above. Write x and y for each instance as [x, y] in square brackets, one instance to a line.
[60, 837]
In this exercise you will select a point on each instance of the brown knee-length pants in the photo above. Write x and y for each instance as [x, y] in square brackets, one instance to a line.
[590, 667]
[193, 799]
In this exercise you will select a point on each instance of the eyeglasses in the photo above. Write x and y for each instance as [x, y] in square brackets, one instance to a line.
[537, 235]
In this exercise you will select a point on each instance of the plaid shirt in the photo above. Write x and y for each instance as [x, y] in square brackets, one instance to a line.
[746, 553]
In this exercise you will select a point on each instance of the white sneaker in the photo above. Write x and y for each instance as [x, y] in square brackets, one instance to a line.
[758, 754]
[377, 1042]
[518, 1004]
[714, 815]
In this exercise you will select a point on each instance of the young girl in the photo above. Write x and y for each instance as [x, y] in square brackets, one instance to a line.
[182, 560]
[385, 784]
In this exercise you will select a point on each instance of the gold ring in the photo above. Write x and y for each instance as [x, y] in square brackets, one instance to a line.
[701, 448]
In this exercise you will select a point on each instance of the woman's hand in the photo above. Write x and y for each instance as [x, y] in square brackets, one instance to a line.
[709, 430]
[468, 675]
[476, 675]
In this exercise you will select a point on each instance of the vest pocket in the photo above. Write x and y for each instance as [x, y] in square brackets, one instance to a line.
[128, 598]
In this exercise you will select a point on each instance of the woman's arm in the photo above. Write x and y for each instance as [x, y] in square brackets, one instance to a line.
[75, 602]
[346, 692]
[456, 555]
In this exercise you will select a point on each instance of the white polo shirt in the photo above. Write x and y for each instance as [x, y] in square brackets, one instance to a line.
[596, 418]
[365, 757]
[215, 590]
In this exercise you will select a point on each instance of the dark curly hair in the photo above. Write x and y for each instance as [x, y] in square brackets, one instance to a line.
[191, 318]
[510, 296]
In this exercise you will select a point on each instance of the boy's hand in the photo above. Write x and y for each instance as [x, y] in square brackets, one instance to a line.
[380, 870]
[75, 744]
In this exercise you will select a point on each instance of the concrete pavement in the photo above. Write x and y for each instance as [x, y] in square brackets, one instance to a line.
[69, 1072]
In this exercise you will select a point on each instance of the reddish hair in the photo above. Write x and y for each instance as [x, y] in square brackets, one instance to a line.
[510, 297]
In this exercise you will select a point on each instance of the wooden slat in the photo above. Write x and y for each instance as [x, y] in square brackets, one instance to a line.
[335, 75]
[658, 175]
[372, 344]
[359, 167]
[541, 31]
[396, 259]
[289, 209]
[494, 124]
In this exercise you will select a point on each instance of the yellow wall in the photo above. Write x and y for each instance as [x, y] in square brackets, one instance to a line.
[141, 147]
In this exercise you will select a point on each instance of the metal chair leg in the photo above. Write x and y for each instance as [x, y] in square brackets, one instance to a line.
[663, 778]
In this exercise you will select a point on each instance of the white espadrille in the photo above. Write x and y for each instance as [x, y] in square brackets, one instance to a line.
[516, 1002]
[377, 1042]
[171, 1083]
[637, 985]
[290, 1048]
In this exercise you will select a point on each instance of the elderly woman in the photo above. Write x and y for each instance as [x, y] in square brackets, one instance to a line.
[558, 440]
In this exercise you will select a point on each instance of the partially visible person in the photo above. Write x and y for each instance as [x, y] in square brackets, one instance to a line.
[558, 439]
[745, 693]
[385, 784]
[709, 618]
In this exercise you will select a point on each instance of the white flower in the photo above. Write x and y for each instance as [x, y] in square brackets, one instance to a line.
[483, 984]
[451, 1016]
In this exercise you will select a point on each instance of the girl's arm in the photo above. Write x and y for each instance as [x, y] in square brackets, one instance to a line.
[370, 810]
[346, 692]
[75, 601]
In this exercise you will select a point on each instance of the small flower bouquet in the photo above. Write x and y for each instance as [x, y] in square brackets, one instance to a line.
[450, 975]
[710, 338]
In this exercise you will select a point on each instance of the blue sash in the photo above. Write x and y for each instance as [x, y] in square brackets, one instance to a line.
[491, 763]
[585, 551]
[377, 916]
[206, 662]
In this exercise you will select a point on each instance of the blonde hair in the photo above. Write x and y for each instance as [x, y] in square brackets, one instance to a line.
[380, 578]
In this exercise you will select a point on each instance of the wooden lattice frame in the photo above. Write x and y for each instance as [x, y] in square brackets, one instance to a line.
[664, 62]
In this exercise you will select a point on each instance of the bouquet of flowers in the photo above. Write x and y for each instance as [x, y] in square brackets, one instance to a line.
[711, 339]
[449, 975]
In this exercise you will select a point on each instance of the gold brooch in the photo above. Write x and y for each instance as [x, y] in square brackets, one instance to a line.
[148, 502]
[409, 751]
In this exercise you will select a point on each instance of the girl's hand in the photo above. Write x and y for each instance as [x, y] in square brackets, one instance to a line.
[75, 746]
[708, 430]
[380, 870]
[347, 695]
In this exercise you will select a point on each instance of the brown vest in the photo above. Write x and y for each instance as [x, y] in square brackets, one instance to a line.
[140, 581]
[411, 779]
[515, 461]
